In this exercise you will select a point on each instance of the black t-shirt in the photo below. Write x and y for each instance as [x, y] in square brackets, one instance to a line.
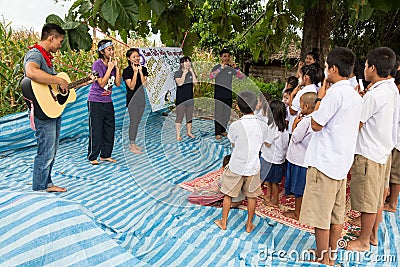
[127, 74]
[185, 91]
[223, 82]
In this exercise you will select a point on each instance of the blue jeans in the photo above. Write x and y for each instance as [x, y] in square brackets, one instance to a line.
[47, 137]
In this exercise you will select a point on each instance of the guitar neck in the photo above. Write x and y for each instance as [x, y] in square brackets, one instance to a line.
[78, 82]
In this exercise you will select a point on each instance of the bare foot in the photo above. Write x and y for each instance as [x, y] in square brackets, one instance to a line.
[291, 214]
[218, 137]
[271, 204]
[190, 135]
[357, 245]
[373, 240]
[220, 224]
[94, 162]
[134, 149]
[249, 227]
[389, 207]
[55, 188]
[266, 197]
[108, 159]
[178, 138]
[224, 133]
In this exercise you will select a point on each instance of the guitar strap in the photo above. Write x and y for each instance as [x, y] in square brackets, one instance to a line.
[31, 114]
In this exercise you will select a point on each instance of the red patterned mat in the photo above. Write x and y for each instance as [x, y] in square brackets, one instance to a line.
[208, 183]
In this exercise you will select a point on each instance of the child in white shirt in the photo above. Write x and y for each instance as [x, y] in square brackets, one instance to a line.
[374, 144]
[307, 83]
[295, 179]
[273, 165]
[247, 135]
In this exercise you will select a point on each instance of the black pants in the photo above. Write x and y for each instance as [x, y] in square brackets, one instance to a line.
[101, 129]
[222, 114]
[136, 109]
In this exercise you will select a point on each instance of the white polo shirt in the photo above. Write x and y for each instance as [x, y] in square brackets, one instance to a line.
[375, 138]
[396, 119]
[299, 142]
[276, 153]
[247, 134]
[296, 100]
[331, 150]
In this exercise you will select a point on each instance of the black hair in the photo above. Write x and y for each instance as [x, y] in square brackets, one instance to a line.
[100, 43]
[396, 66]
[314, 53]
[343, 58]
[183, 60]
[247, 102]
[397, 78]
[278, 110]
[226, 160]
[309, 99]
[312, 72]
[50, 29]
[265, 99]
[288, 91]
[384, 60]
[223, 51]
[130, 51]
[292, 81]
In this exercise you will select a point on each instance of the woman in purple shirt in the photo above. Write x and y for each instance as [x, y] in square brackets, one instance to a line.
[101, 108]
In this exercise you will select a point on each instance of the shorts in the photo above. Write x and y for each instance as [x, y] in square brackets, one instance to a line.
[395, 169]
[367, 185]
[295, 180]
[324, 200]
[275, 171]
[232, 184]
[388, 166]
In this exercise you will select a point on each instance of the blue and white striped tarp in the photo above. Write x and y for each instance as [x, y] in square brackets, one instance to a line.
[132, 213]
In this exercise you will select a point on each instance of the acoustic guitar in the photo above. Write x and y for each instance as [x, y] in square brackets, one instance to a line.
[49, 97]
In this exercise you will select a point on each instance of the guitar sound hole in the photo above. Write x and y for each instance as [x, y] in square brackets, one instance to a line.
[52, 94]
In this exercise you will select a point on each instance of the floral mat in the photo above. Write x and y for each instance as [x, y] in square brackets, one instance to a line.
[203, 185]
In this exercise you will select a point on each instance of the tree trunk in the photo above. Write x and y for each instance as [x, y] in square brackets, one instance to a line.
[316, 30]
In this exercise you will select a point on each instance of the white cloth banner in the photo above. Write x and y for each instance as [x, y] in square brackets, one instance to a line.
[161, 63]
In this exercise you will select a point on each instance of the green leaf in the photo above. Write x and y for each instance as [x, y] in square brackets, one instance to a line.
[365, 12]
[158, 6]
[54, 19]
[70, 25]
[85, 7]
[385, 5]
[145, 12]
[96, 7]
[110, 11]
[80, 40]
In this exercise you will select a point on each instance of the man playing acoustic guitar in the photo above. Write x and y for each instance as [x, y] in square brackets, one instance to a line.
[39, 68]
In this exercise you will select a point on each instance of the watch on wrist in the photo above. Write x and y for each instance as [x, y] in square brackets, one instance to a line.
[317, 100]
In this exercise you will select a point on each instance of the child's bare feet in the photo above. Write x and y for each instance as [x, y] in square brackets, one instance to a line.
[190, 135]
[220, 224]
[178, 138]
[389, 207]
[271, 203]
[55, 188]
[108, 159]
[134, 149]
[224, 133]
[249, 227]
[94, 162]
[357, 245]
[373, 240]
[266, 197]
[291, 214]
[218, 137]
